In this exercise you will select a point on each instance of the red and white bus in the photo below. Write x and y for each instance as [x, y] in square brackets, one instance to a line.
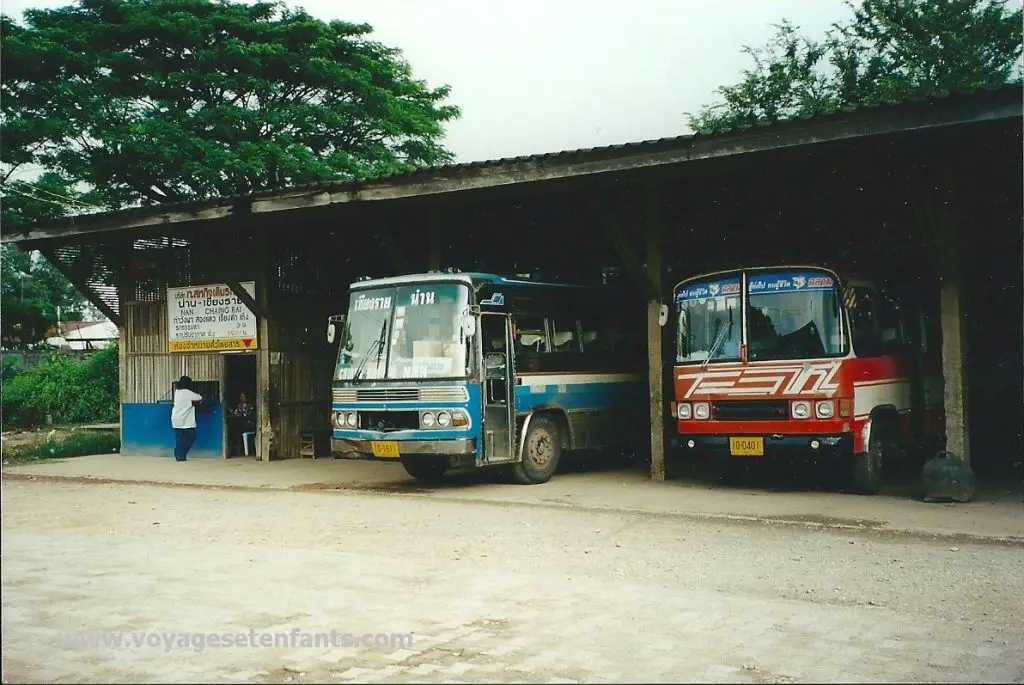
[795, 361]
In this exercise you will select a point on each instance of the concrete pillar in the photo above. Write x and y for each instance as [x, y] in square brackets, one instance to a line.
[954, 369]
[654, 351]
[952, 318]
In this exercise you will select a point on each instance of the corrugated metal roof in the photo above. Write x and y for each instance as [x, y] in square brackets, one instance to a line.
[463, 168]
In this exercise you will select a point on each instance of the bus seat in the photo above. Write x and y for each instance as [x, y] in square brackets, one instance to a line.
[562, 339]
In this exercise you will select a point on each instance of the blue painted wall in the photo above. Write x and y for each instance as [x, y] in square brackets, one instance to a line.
[147, 432]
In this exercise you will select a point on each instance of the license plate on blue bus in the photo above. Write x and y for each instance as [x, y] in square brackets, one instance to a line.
[384, 449]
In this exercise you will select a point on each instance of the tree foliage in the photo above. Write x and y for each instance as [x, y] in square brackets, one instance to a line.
[149, 102]
[31, 291]
[889, 50]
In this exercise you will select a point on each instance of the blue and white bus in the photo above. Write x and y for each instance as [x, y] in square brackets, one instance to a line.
[423, 375]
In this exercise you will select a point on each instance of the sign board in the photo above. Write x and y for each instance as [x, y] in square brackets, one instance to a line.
[209, 318]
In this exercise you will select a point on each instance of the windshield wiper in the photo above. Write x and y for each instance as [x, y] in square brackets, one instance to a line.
[722, 335]
[378, 344]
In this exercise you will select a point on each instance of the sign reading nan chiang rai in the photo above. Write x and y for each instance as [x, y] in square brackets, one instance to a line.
[209, 318]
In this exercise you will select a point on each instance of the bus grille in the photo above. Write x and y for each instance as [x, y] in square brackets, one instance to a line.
[750, 410]
[428, 394]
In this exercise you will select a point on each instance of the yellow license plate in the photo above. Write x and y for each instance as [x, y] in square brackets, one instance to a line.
[384, 450]
[746, 447]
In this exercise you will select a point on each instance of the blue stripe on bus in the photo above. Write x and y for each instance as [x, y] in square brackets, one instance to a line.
[582, 395]
[408, 435]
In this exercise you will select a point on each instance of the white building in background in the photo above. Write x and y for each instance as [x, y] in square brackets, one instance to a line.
[83, 335]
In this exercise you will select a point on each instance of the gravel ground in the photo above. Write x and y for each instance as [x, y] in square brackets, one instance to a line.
[490, 593]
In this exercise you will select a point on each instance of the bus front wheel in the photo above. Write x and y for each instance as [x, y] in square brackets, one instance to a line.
[428, 468]
[542, 449]
[868, 467]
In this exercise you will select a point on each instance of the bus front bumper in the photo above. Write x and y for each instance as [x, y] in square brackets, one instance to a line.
[358, 448]
[774, 446]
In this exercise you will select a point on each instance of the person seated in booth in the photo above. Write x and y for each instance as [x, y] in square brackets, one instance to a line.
[245, 413]
[244, 410]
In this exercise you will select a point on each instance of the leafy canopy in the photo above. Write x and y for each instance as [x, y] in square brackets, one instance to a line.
[889, 50]
[150, 101]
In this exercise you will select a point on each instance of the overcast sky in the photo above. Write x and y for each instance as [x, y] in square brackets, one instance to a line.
[537, 76]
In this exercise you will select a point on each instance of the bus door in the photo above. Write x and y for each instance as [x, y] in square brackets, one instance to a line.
[497, 388]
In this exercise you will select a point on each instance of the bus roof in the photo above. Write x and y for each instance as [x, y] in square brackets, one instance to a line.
[473, 278]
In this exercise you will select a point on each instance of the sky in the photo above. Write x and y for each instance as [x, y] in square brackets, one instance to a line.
[535, 76]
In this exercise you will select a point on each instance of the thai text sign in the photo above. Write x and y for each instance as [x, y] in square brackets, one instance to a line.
[209, 318]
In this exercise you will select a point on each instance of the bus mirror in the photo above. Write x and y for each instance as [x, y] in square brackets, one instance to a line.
[469, 325]
[663, 315]
[332, 326]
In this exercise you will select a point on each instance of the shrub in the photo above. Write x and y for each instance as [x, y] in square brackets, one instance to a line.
[75, 445]
[67, 390]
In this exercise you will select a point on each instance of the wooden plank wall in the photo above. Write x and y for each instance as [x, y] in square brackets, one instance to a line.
[300, 371]
[149, 367]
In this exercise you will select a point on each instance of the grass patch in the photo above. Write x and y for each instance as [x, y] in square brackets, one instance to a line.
[75, 445]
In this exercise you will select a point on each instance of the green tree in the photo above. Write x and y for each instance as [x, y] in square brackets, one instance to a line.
[32, 292]
[889, 50]
[150, 102]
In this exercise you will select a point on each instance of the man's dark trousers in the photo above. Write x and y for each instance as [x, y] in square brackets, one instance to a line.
[184, 438]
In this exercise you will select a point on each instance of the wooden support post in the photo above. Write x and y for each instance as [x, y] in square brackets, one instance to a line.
[264, 434]
[630, 259]
[243, 295]
[654, 351]
[125, 293]
[81, 286]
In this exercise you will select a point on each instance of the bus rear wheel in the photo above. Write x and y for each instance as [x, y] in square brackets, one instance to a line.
[542, 449]
[428, 468]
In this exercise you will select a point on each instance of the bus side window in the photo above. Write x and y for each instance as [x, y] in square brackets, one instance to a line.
[589, 337]
[866, 336]
[563, 335]
[531, 335]
[890, 324]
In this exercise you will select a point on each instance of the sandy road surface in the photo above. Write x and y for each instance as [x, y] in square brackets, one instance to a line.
[489, 593]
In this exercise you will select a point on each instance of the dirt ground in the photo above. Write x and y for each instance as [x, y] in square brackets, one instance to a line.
[509, 593]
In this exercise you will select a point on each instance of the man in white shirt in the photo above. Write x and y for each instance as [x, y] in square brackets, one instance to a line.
[183, 417]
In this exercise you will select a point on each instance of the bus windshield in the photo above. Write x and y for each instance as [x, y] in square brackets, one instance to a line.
[409, 331]
[708, 316]
[793, 315]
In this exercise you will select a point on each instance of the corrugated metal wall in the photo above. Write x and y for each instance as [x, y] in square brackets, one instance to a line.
[149, 367]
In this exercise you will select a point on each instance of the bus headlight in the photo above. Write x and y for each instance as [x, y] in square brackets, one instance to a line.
[801, 410]
[352, 419]
[427, 419]
[339, 419]
[825, 409]
[444, 419]
[685, 411]
[701, 410]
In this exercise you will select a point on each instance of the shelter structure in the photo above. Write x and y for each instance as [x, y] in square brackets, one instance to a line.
[928, 191]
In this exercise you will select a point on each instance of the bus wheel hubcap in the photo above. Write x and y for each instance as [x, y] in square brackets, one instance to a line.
[540, 448]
